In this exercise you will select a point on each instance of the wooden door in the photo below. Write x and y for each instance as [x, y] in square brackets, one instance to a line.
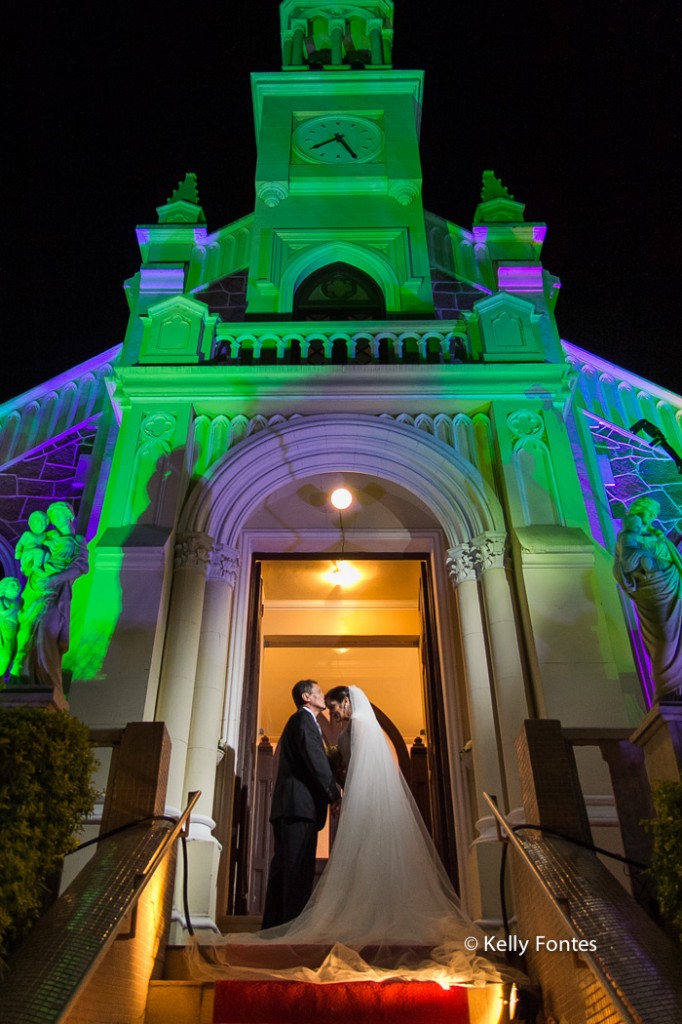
[442, 813]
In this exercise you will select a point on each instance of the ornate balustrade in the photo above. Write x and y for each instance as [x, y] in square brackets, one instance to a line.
[335, 343]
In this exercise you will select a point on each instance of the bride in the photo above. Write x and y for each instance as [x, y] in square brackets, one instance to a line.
[384, 896]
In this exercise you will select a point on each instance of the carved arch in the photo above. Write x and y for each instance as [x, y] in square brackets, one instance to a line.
[371, 262]
[450, 487]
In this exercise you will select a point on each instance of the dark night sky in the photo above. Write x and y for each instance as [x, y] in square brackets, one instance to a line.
[573, 104]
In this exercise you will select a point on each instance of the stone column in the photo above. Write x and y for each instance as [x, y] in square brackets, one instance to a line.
[287, 48]
[660, 737]
[374, 26]
[203, 849]
[387, 36]
[337, 26]
[511, 702]
[178, 670]
[300, 28]
[463, 564]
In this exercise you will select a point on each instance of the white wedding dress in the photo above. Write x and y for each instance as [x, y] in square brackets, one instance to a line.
[384, 887]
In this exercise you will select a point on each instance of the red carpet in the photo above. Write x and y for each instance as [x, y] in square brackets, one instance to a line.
[360, 1002]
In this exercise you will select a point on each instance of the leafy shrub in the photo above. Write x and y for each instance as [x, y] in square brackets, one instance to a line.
[666, 862]
[46, 767]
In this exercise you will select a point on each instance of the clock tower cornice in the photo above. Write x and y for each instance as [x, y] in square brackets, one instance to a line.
[316, 88]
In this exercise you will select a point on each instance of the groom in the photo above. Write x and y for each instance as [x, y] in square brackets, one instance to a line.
[303, 789]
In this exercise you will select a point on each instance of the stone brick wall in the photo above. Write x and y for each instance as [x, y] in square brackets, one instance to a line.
[451, 297]
[54, 472]
[227, 297]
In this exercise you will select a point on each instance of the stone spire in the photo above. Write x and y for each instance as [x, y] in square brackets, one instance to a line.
[497, 203]
[183, 206]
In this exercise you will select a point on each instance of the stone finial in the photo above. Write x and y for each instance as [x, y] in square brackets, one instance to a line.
[183, 206]
[492, 188]
[187, 190]
[497, 203]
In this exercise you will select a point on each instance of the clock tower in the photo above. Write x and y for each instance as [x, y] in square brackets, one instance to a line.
[339, 225]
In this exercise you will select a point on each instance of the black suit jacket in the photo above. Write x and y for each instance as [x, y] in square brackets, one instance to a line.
[305, 784]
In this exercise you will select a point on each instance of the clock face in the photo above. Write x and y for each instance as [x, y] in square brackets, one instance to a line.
[338, 139]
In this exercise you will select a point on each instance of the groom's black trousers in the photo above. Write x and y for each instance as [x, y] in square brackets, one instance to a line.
[292, 870]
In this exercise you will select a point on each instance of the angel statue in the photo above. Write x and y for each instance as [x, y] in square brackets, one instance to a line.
[648, 567]
[52, 555]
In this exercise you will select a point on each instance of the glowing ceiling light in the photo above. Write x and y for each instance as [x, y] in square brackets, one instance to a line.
[343, 574]
[341, 498]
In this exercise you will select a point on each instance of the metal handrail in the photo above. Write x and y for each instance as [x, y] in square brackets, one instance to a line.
[511, 837]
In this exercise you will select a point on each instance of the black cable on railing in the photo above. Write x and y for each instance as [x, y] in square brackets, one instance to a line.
[185, 895]
[122, 828]
[136, 824]
[556, 835]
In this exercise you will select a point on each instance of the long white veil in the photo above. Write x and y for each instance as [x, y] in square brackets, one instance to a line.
[384, 887]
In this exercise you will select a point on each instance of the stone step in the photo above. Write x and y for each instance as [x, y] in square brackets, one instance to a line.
[359, 1002]
[228, 1002]
[180, 1002]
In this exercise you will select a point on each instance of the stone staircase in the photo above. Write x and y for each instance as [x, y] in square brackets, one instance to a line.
[183, 1000]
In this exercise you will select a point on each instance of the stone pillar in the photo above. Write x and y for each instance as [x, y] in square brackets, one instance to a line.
[660, 737]
[374, 26]
[552, 795]
[137, 785]
[287, 48]
[463, 568]
[178, 670]
[336, 26]
[203, 849]
[632, 794]
[503, 642]
[463, 564]
[300, 28]
[388, 45]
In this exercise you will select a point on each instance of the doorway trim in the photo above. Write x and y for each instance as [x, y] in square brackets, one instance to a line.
[427, 545]
[450, 488]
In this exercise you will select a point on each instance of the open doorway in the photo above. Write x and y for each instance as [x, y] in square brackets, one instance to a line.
[376, 629]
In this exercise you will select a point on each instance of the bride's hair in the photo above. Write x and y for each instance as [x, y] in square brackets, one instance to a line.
[338, 694]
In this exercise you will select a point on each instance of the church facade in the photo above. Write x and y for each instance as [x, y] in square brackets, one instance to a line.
[342, 336]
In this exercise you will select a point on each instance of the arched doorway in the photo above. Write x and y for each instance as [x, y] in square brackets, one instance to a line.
[419, 498]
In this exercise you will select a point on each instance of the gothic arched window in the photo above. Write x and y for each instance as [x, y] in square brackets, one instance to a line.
[339, 292]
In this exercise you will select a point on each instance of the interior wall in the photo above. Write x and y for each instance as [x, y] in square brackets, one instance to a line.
[303, 609]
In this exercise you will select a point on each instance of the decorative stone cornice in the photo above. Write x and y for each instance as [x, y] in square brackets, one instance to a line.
[223, 564]
[404, 192]
[193, 551]
[525, 423]
[467, 562]
[462, 564]
[492, 549]
[272, 193]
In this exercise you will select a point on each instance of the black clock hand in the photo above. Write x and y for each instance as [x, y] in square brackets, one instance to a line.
[326, 142]
[340, 138]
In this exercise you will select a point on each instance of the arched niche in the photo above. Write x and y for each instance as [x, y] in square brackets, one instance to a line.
[361, 258]
[339, 291]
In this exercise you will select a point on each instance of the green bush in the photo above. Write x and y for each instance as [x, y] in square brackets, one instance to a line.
[666, 862]
[46, 767]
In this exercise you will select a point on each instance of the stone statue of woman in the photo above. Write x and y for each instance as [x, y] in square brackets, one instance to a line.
[10, 590]
[55, 562]
[649, 569]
